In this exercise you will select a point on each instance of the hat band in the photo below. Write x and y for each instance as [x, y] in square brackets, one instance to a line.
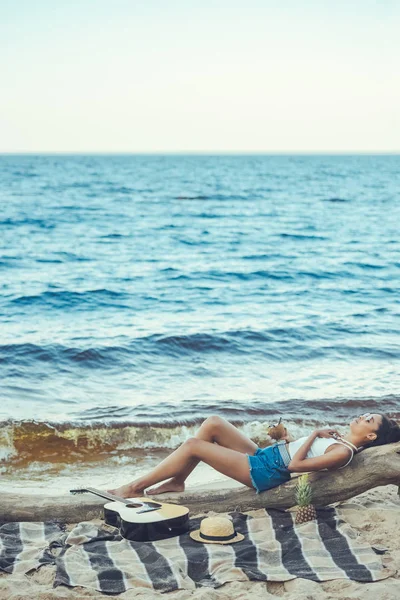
[217, 538]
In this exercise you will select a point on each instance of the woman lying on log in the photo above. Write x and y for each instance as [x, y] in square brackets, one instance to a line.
[222, 446]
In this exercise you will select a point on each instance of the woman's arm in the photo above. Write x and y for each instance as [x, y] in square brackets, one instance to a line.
[334, 458]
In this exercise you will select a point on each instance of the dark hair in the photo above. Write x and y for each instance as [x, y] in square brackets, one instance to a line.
[388, 432]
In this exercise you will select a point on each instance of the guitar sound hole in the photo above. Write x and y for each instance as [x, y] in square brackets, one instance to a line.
[133, 505]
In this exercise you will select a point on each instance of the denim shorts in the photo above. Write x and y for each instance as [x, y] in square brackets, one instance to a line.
[267, 468]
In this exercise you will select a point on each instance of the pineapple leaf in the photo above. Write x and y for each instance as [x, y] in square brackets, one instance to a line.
[303, 491]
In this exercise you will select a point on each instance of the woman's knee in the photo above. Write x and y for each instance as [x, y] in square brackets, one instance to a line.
[214, 423]
[192, 445]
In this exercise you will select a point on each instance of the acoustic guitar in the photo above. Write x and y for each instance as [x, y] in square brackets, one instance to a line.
[141, 519]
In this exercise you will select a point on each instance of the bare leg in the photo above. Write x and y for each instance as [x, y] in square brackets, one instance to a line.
[214, 430]
[217, 430]
[229, 462]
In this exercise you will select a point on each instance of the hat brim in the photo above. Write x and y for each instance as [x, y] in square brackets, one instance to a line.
[195, 535]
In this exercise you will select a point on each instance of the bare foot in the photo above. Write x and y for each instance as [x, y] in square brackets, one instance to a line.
[172, 485]
[131, 490]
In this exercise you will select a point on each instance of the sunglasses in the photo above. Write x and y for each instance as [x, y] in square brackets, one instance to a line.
[367, 417]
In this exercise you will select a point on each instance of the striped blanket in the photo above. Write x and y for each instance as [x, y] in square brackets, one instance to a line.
[274, 549]
[27, 546]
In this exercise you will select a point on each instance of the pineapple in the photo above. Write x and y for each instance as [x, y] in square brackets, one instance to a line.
[305, 510]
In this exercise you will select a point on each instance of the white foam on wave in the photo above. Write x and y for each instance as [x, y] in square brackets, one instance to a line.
[7, 448]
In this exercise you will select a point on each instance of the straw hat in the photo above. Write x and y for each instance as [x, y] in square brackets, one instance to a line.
[216, 530]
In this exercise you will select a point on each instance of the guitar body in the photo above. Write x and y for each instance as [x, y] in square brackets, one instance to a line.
[142, 519]
[174, 520]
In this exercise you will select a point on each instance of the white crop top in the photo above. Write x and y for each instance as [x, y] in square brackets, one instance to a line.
[318, 447]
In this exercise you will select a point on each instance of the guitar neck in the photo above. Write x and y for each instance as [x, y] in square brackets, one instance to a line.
[108, 496]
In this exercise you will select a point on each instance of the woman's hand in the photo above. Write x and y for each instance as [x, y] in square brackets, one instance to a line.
[327, 433]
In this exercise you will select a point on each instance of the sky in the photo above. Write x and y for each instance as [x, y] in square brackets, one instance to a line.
[199, 76]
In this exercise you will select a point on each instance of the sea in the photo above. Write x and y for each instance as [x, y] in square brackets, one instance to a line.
[140, 294]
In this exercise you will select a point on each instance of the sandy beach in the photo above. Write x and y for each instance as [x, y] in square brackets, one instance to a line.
[375, 515]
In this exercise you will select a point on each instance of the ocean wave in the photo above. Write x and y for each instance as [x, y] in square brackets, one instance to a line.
[216, 196]
[71, 256]
[189, 413]
[274, 344]
[258, 274]
[200, 197]
[122, 189]
[302, 236]
[25, 174]
[27, 221]
[366, 265]
[113, 235]
[22, 442]
[67, 299]
[28, 354]
[243, 275]
[335, 199]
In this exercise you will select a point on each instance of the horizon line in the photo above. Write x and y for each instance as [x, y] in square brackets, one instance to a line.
[201, 153]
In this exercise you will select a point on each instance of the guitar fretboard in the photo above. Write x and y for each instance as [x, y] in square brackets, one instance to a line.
[108, 496]
[147, 506]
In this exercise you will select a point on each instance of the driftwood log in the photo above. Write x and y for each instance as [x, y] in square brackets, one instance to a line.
[369, 469]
